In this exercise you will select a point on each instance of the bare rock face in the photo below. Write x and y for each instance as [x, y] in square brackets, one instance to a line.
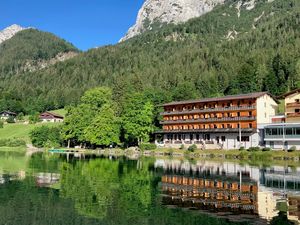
[157, 12]
[9, 32]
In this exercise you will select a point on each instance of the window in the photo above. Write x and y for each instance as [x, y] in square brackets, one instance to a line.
[250, 125]
[244, 138]
[297, 110]
[297, 100]
[250, 113]
[297, 131]
[223, 138]
[289, 131]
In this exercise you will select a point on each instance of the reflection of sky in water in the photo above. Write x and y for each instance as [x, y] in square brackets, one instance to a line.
[230, 190]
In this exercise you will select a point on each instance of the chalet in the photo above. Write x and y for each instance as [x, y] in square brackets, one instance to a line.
[292, 106]
[51, 117]
[4, 115]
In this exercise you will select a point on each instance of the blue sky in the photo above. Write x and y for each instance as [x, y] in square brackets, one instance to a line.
[85, 23]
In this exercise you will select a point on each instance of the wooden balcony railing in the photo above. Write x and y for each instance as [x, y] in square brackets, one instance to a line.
[291, 115]
[294, 104]
[205, 110]
[223, 119]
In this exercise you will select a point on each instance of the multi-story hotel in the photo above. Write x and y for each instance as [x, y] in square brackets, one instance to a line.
[228, 122]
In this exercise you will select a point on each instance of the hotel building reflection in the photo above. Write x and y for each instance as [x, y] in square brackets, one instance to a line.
[229, 190]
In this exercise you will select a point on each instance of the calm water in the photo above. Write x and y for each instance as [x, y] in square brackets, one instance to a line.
[45, 189]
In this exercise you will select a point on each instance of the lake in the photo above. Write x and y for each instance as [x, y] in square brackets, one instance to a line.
[51, 189]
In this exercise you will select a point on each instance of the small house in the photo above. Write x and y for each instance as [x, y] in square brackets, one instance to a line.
[4, 115]
[51, 117]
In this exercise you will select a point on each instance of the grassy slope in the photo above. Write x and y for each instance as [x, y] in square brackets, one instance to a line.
[20, 131]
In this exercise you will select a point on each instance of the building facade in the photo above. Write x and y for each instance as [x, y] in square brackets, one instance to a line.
[228, 122]
[292, 106]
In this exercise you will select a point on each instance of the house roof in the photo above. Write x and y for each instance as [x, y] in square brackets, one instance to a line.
[8, 112]
[254, 95]
[53, 115]
[288, 93]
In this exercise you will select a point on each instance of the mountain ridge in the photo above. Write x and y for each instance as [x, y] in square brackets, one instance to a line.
[10, 31]
[160, 12]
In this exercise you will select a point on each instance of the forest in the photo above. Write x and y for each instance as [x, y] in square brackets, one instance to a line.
[214, 55]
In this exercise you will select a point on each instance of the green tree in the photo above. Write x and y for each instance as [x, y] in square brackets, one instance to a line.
[104, 128]
[45, 136]
[137, 119]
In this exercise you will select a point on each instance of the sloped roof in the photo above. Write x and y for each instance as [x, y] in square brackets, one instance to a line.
[8, 112]
[254, 95]
[289, 93]
[51, 114]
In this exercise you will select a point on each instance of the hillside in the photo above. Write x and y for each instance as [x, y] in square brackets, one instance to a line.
[28, 49]
[232, 49]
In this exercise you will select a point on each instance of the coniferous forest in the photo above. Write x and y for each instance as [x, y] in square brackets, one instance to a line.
[217, 54]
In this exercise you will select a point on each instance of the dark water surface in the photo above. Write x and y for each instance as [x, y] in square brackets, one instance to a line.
[44, 189]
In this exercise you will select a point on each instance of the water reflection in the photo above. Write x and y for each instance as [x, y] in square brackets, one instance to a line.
[232, 191]
[45, 189]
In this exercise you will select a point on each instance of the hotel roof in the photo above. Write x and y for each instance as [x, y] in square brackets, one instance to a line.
[254, 95]
[289, 93]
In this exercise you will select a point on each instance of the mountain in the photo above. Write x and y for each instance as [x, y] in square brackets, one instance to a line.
[155, 13]
[238, 47]
[9, 32]
[31, 49]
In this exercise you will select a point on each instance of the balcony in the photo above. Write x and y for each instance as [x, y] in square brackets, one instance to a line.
[292, 115]
[215, 130]
[208, 120]
[221, 109]
[293, 105]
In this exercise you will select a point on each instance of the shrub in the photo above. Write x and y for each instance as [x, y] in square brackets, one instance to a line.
[46, 137]
[242, 148]
[34, 118]
[266, 149]
[1, 124]
[192, 148]
[292, 149]
[254, 149]
[148, 146]
[11, 119]
[20, 116]
[182, 147]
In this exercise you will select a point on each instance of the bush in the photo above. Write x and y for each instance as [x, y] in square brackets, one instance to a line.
[192, 148]
[34, 118]
[292, 149]
[266, 149]
[11, 119]
[242, 149]
[1, 124]
[254, 149]
[46, 137]
[147, 146]
[20, 116]
[182, 147]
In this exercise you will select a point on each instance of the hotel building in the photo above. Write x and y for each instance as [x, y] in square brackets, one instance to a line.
[228, 122]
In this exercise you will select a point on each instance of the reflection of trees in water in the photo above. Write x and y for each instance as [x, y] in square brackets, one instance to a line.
[123, 192]
[281, 219]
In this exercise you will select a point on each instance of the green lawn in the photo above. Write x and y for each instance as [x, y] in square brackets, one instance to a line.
[20, 130]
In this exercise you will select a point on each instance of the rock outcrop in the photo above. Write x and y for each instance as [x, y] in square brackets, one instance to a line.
[157, 12]
[9, 32]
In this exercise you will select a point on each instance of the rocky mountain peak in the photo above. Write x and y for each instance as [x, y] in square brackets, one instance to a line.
[9, 32]
[157, 12]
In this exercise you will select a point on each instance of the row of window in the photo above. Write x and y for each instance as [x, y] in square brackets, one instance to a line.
[279, 131]
[208, 126]
[205, 137]
[210, 106]
[209, 115]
